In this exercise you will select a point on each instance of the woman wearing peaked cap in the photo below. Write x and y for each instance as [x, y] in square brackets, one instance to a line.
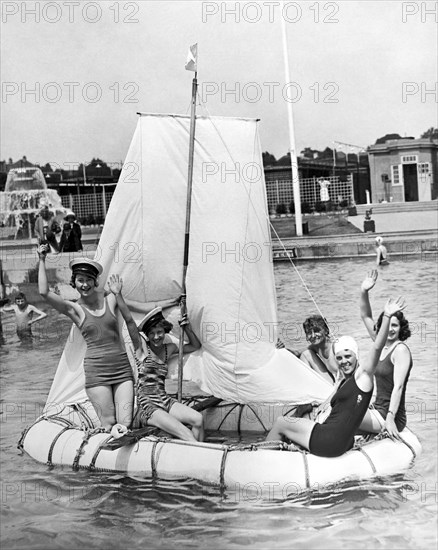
[109, 381]
[335, 435]
[155, 406]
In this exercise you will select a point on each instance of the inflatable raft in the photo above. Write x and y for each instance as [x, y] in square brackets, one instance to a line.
[269, 468]
[232, 305]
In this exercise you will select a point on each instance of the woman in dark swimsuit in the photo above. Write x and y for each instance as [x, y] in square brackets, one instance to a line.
[394, 366]
[349, 404]
[109, 381]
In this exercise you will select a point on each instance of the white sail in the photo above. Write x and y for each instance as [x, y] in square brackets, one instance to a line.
[230, 281]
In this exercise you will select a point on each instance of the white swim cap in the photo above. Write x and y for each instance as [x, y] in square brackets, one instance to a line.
[379, 240]
[346, 342]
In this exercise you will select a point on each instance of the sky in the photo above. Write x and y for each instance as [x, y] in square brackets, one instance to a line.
[74, 74]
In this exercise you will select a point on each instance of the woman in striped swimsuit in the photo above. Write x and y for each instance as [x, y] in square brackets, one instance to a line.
[155, 406]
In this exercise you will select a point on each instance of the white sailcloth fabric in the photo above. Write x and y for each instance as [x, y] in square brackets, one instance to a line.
[230, 281]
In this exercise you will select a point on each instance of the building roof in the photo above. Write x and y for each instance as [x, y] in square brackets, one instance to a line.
[403, 144]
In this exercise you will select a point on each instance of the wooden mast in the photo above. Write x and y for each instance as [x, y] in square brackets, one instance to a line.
[187, 231]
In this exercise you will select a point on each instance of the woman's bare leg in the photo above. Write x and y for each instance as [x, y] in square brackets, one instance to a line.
[189, 416]
[163, 420]
[101, 398]
[124, 402]
[297, 430]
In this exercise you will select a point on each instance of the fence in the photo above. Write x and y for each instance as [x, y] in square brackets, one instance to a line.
[89, 208]
[280, 195]
[92, 208]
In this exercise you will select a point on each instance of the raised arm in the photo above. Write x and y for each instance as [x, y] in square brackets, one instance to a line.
[115, 284]
[365, 306]
[146, 307]
[391, 307]
[61, 305]
[194, 342]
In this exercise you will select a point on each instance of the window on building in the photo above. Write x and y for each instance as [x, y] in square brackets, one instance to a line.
[424, 168]
[424, 171]
[395, 173]
[409, 159]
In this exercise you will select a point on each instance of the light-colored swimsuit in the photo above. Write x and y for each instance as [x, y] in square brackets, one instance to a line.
[105, 362]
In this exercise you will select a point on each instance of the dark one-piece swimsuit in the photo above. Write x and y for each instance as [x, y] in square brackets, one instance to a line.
[105, 362]
[335, 435]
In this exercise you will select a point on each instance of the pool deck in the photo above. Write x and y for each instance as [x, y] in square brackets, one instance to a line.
[18, 259]
[398, 243]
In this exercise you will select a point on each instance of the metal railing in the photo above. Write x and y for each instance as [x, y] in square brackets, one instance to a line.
[89, 208]
[92, 208]
[280, 195]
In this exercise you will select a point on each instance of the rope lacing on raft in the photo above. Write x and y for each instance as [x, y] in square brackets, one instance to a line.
[86, 425]
[267, 445]
[86, 438]
[365, 440]
[55, 418]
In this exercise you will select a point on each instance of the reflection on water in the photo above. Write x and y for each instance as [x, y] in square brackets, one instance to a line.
[58, 508]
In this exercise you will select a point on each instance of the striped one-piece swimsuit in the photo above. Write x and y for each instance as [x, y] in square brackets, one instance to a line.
[150, 387]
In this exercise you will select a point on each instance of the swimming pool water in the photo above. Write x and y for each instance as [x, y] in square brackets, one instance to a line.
[58, 508]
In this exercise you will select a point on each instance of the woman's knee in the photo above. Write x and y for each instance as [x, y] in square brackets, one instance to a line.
[198, 420]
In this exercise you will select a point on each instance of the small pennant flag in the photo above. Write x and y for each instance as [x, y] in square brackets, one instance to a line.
[192, 58]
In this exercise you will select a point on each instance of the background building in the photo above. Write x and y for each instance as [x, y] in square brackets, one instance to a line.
[404, 170]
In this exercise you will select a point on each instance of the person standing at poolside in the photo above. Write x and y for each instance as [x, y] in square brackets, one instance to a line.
[324, 192]
[71, 234]
[46, 228]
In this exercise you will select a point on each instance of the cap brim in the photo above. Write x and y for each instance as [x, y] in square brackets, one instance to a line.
[86, 262]
[156, 312]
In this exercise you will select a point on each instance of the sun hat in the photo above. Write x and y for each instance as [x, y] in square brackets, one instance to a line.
[346, 342]
[86, 266]
[151, 319]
